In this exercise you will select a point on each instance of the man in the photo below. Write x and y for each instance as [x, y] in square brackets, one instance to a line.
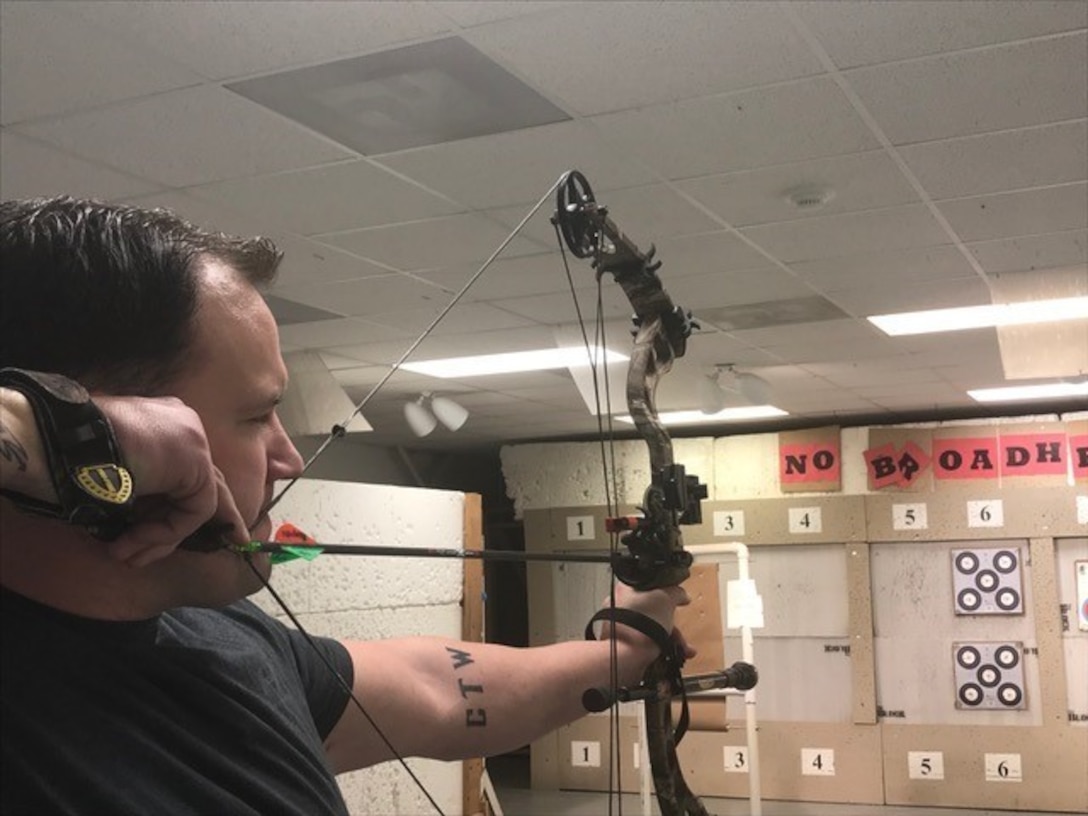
[135, 678]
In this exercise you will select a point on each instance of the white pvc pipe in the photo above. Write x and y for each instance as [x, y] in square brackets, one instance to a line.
[707, 552]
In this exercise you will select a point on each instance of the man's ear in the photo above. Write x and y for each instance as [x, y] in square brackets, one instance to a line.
[139, 551]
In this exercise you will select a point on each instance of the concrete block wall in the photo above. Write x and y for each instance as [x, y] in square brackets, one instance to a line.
[358, 597]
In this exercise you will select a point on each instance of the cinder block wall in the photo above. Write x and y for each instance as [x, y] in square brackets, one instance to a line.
[357, 597]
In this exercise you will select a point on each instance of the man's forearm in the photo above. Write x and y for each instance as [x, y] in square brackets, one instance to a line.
[22, 459]
[455, 700]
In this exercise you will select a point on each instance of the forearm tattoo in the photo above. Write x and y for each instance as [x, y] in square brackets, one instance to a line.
[474, 717]
[11, 448]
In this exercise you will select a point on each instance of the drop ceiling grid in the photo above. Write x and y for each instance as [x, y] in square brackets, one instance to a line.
[978, 98]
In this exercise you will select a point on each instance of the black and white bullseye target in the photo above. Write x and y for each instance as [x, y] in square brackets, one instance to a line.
[987, 582]
[989, 675]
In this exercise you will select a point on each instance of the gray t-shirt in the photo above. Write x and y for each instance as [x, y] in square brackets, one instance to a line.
[196, 711]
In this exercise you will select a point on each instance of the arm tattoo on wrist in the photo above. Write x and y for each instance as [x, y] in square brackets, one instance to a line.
[474, 717]
[11, 448]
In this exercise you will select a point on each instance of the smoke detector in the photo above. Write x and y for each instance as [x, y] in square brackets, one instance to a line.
[809, 196]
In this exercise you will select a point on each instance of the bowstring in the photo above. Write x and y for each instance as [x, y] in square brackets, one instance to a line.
[611, 491]
[339, 431]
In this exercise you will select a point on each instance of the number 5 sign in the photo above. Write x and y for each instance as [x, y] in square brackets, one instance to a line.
[925, 764]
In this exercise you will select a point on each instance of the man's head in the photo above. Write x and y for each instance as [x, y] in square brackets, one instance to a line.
[141, 303]
[105, 293]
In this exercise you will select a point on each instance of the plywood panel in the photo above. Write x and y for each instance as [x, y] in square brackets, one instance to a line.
[1074, 639]
[1026, 512]
[1053, 762]
[800, 679]
[862, 649]
[767, 521]
[916, 628]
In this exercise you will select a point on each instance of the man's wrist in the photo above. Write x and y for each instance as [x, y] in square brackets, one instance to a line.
[79, 452]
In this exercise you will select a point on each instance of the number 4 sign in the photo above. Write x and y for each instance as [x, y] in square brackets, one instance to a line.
[817, 762]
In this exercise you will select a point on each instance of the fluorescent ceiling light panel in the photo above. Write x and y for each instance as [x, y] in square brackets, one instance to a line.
[975, 317]
[727, 415]
[515, 361]
[1015, 393]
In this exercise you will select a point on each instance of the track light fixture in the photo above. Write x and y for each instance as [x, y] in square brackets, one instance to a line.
[425, 412]
[724, 385]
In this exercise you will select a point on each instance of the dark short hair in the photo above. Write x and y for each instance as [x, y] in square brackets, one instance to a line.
[105, 293]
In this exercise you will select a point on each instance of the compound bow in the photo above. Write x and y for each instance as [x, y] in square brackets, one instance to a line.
[653, 540]
[655, 554]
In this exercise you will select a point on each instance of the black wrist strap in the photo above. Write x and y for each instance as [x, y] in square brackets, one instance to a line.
[637, 621]
[94, 488]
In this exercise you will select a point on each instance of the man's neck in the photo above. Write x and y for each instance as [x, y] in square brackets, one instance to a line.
[65, 568]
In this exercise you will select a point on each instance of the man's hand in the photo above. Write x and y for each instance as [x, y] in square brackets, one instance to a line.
[177, 485]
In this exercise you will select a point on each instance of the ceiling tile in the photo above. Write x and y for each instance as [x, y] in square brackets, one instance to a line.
[559, 308]
[684, 50]
[32, 170]
[53, 62]
[860, 32]
[716, 289]
[911, 265]
[869, 373]
[304, 261]
[711, 252]
[430, 243]
[849, 234]
[1026, 212]
[739, 131]
[229, 39]
[1032, 251]
[1010, 86]
[187, 137]
[368, 296]
[858, 182]
[340, 332]
[993, 162]
[654, 213]
[464, 317]
[505, 278]
[517, 167]
[891, 297]
[468, 13]
[328, 198]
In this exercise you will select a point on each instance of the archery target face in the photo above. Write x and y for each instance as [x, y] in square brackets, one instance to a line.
[989, 675]
[987, 582]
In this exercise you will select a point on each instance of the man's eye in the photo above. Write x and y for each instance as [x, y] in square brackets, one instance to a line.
[263, 419]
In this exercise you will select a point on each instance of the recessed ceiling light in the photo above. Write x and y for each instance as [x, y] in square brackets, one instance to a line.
[515, 361]
[727, 415]
[1015, 393]
[975, 317]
